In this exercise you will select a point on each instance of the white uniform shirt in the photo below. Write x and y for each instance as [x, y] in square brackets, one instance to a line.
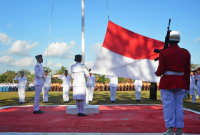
[47, 82]
[91, 81]
[66, 80]
[113, 80]
[138, 83]
[198, 82]
[38, 75]
[22, 81]
[192, 82]
[79, 72]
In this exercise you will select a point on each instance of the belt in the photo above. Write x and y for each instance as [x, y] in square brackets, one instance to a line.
[173, 73]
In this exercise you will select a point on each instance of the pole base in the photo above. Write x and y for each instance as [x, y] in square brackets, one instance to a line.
[72, 109]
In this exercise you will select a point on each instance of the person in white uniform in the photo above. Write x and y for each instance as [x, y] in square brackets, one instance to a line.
[46, 87]
[78, 74]
[38, 82]
[198, 83]
[21, 86]
[192, 87]
[113, 87]
[90, 85]
[138, 87]
[66, 85]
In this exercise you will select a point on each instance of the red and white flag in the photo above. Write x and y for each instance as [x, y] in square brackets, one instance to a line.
[127, 54]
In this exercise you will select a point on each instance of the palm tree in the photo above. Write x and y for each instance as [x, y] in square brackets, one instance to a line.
[61, 70]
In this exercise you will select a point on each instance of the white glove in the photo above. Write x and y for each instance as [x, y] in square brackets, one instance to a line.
[44, 77]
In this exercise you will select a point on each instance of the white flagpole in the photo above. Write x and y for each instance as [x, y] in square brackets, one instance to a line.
[83, 50]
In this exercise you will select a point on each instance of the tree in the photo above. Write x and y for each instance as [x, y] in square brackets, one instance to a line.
[27, 73]
[193, 66]
[61, 70]
[48, 69]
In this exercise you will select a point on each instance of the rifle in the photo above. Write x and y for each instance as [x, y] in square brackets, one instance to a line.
[166, 41]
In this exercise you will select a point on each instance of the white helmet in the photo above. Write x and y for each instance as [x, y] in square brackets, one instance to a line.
[174, 36]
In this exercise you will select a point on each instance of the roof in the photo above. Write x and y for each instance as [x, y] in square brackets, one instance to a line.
[196, 69]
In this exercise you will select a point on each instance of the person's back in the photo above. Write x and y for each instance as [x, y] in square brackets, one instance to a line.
[174, 69]
[175, 59]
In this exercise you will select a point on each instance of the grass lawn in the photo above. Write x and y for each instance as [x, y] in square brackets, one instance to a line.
[100, 98]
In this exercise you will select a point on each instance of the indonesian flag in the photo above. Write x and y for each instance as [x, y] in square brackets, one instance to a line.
[127, 54]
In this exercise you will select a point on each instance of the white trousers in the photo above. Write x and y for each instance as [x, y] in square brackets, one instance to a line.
[45, 91]
[21, 93]
[38, 90]
[90, 93]
[172, 100]
[138, 92]
[113, 93]
[197, 96]
[66, 93]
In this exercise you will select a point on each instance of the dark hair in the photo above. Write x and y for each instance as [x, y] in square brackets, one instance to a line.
[173, 42]
[90, 70]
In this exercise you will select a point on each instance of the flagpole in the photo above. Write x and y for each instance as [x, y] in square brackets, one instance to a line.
[83, 49]
[83, 34]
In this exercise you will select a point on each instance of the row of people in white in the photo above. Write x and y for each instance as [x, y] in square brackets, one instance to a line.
[9, 85]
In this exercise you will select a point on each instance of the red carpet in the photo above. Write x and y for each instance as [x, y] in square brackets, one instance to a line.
[111, 119]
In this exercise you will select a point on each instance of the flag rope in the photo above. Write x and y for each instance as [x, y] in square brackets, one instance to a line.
[107, 9]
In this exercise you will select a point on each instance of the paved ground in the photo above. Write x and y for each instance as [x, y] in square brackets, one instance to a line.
[111, 119]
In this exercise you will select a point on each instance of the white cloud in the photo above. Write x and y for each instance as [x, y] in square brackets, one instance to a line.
[68, 55]
[49, 63]
[59, 49]
[96, 47]
[4, 39]
[9, 25]
[58, 65]
[5, 59]
[89, 64]
[25, 62]
[21, 48]
[197, 39]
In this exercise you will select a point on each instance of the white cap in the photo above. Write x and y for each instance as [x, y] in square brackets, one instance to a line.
[174, 36]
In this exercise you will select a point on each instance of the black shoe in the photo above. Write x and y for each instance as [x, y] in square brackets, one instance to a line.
[82, 114]
[139, 100]
[38, 112]
[112, 101]
[136, 100]
[66, 101]
[21, 102]
[90, 101]
[45, 101]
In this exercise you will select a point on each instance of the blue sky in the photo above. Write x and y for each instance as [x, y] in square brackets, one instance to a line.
[24, 28]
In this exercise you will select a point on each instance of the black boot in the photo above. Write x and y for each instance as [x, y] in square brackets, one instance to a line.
[38, 112]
